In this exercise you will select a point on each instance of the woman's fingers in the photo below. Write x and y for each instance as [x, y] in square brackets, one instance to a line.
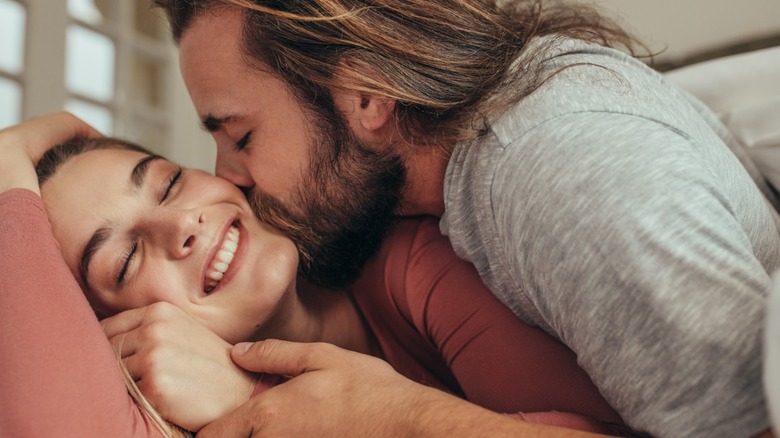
[123, 322]
[23, 145]
[39, 134]
[45, 132]
[148, 326]
[131, 319]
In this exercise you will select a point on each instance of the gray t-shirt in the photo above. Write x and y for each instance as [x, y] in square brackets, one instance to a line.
[614, 211]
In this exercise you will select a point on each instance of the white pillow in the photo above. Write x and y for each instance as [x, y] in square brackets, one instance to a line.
[744, 91]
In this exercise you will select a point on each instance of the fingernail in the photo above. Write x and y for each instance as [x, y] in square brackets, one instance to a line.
[241, 348]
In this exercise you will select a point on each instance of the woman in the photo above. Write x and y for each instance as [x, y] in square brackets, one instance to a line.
[136, 231]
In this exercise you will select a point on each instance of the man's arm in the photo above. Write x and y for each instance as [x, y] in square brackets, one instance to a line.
[640, 252]
[338, 393]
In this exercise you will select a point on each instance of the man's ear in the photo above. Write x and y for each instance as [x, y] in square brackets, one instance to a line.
[364, 112]
[367, 114]
[376, 111]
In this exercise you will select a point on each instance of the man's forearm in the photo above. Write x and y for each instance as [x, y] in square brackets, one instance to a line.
[436, 414]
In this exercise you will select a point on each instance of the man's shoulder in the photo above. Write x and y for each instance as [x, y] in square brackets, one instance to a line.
[577, 77]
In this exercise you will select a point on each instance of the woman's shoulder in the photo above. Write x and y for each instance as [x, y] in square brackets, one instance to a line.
[413, 250]
[412, 240]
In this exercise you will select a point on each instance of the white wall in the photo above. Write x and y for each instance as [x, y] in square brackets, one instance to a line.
[193, 147]
[686, 27]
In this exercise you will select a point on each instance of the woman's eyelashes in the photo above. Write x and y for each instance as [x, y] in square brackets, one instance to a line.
[168, 191]
[127, 257]
[241, 144]
[173, 182]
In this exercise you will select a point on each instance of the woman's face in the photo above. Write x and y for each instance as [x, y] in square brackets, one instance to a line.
[136, 229]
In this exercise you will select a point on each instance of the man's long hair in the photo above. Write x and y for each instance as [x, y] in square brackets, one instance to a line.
[447, 63]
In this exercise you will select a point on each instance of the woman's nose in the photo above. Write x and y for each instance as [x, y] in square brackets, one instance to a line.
[176, 231]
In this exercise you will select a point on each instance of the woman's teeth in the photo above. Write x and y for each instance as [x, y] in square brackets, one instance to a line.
[222, 259]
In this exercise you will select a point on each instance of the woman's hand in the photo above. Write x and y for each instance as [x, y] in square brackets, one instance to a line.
[180, 366]
[21, 146]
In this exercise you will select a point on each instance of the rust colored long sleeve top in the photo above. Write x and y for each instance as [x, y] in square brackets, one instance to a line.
[436, 322]
[58, 373]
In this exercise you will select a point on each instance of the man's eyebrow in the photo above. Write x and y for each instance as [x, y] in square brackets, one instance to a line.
[212, 123]
[101, 235]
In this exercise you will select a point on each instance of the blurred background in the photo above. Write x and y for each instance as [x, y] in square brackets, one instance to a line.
[112, 63]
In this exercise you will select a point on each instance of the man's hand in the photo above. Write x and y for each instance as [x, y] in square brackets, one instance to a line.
[180, 366]
[23, 145]
[338, 393]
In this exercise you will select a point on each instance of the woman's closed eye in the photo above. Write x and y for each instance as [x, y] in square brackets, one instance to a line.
[127, 258]
[167, 191]
[170, 188]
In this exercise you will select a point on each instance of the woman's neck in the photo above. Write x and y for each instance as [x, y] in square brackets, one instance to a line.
[321, 315]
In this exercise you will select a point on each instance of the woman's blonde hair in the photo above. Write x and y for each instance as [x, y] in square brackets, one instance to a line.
[168, 430]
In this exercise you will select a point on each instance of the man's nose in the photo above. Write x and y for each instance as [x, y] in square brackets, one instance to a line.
[176, 231]
[232, 168]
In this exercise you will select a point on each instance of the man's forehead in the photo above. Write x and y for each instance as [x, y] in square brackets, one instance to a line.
[210, 57]
[212, 34]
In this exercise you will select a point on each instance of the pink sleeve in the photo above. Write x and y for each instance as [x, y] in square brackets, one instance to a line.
[499, 361]
[58, 373]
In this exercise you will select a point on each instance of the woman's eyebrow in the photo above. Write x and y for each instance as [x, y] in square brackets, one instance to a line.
[98, 239]
[141, 169]
[101, 235]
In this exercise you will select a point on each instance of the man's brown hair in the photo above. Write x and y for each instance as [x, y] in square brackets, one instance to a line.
[447, 63]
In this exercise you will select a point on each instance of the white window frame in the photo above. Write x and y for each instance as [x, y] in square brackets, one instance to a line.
[44, 90]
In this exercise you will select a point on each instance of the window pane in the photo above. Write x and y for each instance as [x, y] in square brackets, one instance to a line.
[99, 117]
[91, 11]
[12, 17]
[147, 81]
[90, 60]
[148, 20]
[10, 102]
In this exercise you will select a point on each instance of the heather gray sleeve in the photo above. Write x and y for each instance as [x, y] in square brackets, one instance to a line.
[629, 239]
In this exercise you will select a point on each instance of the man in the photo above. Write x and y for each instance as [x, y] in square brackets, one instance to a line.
[595, 199]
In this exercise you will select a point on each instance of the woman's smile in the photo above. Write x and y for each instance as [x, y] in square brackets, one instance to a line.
[221, 257]
[226, 258]
[181, 236]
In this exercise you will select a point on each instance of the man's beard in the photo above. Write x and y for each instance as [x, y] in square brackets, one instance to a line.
[348, 199]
